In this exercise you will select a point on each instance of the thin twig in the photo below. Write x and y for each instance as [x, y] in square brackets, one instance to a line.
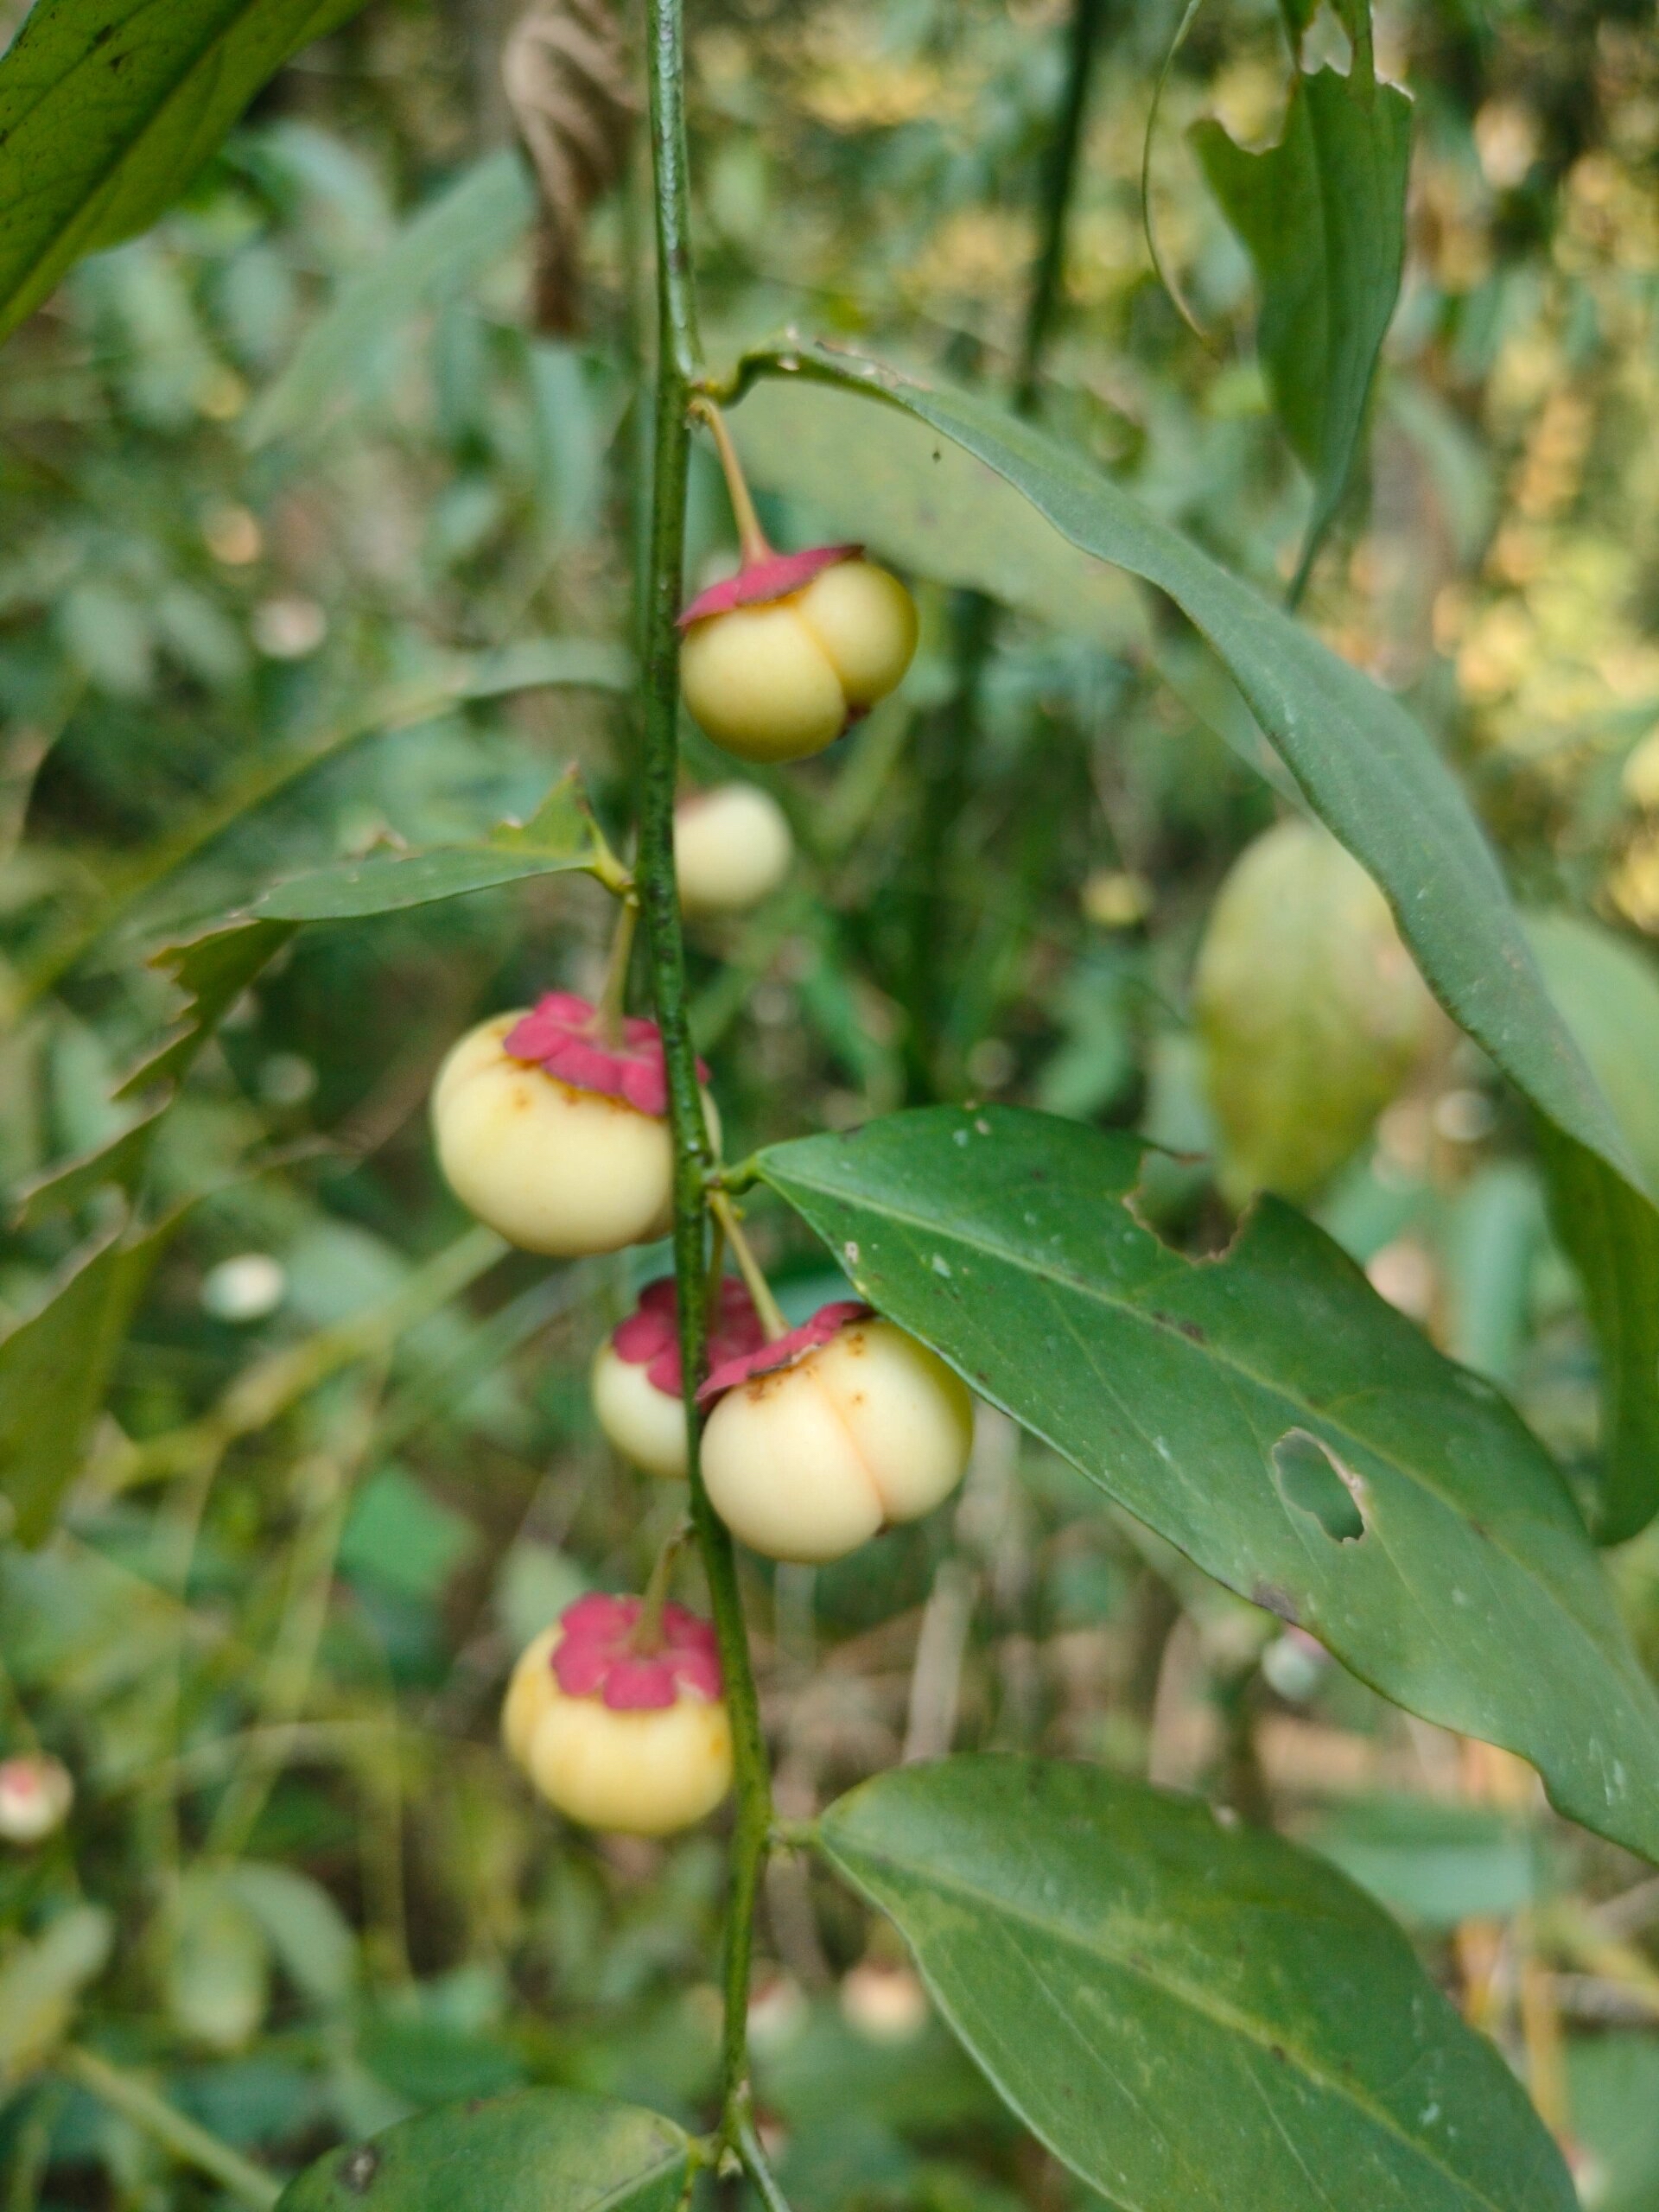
[134, 2099]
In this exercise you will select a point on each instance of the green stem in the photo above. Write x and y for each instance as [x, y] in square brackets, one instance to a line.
[134, 2099]
[1059, 182]
[679, 369]
[756, 2165]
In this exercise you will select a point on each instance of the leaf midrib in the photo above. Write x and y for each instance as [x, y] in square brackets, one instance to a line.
[1219, 2016]
[1230, 1363]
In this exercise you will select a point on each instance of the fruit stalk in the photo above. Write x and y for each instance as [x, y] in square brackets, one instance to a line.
[679, 372]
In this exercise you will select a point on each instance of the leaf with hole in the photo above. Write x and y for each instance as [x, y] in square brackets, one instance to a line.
[1251, 1410]
[1193, 2017]
[539, 2151]
[1363, 766]
[108, 109]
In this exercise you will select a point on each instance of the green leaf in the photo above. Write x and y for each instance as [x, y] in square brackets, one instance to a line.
[212, 969]
[926, 506]
[54, 1370]
[108, 108]
[1362, 764]
[539, 2151]
[560, 836]
[120, 1160]
[1190, 2016]
[1203, 1395]
[41, 1983]
[307, 1931]
[218, 1977]
[1608, 995]
[1322, 216]
[447, 246]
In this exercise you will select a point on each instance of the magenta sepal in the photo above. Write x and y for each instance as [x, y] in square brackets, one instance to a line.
[757, 582]
[783, 1352]
[649, 1336]
[593, 1657]
[559, 1036]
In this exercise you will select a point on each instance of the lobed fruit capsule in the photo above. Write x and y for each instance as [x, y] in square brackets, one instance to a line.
[635, 1381]
[1311, 1012]
[732, 849]
[555, 1137]
[621, 1733]
[830, 1433]
[779, 659]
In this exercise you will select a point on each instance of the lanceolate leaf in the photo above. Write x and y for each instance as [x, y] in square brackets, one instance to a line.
[541, 2151]
[1268, 1413]
[1322, 216]
[1609, 995]
[54, 1370]
[1363, 765]
[108, 108]
[1195, 2018]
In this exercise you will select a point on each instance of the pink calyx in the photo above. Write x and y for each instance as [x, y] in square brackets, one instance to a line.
[773, 576]
[783, 1352]
[596, 1655]
[562, 1035]
[649, 1336]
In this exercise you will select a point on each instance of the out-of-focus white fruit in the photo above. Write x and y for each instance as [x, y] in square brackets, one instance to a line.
[732, 849]
[36, 1794]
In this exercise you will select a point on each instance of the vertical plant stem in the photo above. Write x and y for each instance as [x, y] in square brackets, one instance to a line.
[947, 739]
[678, 368]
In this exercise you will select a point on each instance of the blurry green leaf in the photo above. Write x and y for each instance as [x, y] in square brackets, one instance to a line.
[560, 835]
[923, 503]
[40, 1981]
[108, 638]
[108, 108]
[1363, 765]
[1011, 1243]
[399, 1535]
[1189, 2015]
[55, 1369]
[218, 1973]
[213, 969]
[1431, 1862]
[430, 2061]
[305, 1928]
[541, 2150]
[1614, 2096]
[1608, 995]
[447, 246]
[121, 1159]
[1491, 1239]
[1322, 216]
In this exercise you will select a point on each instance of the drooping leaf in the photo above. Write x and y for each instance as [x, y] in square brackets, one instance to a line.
[1609, 997]
[559, 838]
[1194, 2017]
[108, 108]
[1268, 1413]
[120, 1160]
[1322, 216]
[922, 503]
[40, 1981]
[539, 2151]
[1363, 766]
[443, 248]
[54, 1370]
[212, 969]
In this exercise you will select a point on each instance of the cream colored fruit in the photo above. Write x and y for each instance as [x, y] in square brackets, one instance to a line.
[639, 1773]
[732, 848]
[809, 1462]
[780, 681]
[554, 1169]
[646, 1426]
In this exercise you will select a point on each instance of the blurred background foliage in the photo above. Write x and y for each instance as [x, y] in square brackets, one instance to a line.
[268, 467]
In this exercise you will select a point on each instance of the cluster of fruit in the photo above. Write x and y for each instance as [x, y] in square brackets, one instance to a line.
[552, 1126]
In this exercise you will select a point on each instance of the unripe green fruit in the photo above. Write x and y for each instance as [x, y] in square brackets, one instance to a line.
[782, 678]
[553, 1168]
[643, 1772]
[732, 849]
[1311, 1012]
[808, 1461]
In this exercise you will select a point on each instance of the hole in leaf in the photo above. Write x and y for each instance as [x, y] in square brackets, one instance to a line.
[1312, 1480]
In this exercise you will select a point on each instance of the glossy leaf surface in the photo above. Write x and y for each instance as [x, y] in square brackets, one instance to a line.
[1361, 762]
[1190, 2016]
[540, 2150]
[108, 109]
[1252, 1408]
